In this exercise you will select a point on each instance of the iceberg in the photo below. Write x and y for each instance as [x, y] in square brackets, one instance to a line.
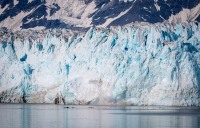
[138, 64]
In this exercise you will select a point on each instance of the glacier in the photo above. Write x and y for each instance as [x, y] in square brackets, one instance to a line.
[137, 64]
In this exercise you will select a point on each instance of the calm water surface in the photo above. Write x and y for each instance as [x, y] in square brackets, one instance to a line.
[60, 116]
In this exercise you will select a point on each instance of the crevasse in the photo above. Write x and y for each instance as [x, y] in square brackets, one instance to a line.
[132, 65]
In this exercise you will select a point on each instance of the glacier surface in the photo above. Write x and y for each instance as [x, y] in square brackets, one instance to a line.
[132, 65]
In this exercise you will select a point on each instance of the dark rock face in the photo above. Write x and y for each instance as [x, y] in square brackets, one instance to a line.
[59, 99]
[38, 17]
[139, 10]
[198, 18]
[23, 5]
[143, 10]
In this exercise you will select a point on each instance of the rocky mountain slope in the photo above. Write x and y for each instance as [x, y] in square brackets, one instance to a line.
[79, 14]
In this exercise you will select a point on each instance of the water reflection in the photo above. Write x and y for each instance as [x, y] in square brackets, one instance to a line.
[58, 116]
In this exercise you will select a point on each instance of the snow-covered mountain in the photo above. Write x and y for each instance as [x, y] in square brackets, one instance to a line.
[80, 14]
[142, 64]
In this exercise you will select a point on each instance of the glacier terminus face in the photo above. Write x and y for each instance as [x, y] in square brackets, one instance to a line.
[133, 65]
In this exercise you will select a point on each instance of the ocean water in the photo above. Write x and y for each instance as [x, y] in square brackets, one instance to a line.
[62, 116]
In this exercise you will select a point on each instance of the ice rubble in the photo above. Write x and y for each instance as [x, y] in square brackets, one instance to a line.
[132, 65]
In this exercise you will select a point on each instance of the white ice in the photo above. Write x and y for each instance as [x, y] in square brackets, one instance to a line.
[133, 65]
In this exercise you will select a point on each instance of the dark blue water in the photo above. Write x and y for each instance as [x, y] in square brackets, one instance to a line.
[60, 116]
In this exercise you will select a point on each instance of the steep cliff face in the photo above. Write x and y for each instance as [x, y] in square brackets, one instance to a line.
[137, 65]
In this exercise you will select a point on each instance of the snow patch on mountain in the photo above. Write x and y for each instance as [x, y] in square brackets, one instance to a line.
[15, 22]
[157, 7]
[2, 9]
[110, 20]
[16, 2]
[72, 12]
[186, 15]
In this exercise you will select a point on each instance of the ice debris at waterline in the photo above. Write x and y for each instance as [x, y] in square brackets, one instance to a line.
[131, 65]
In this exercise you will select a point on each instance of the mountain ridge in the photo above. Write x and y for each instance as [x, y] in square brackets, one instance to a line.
[76, 14]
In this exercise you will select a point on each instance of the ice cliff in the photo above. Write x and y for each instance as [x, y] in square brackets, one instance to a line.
[132, 65]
